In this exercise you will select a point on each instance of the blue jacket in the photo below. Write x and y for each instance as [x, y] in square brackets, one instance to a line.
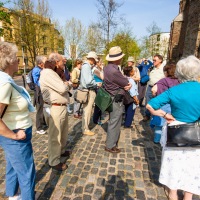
[36, 75]
[143, 68]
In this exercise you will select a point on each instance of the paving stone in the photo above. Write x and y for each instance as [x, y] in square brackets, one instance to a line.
[94, 174]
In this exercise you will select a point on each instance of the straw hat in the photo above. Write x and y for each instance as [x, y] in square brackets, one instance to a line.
[115, 53]
[92, 54]
[131, 59]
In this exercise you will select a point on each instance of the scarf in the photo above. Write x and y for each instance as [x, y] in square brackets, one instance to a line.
[5, 78]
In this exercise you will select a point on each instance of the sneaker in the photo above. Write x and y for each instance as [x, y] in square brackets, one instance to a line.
[18, 197]
[41, 132]
[88, 132]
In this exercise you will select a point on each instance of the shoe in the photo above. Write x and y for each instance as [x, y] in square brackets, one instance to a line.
[128, 126]
[146, 118]
[113, 150]
[18, 197]
[66, 154]
[77, 117]
[60, 167]
[88, 132]
[41, 132]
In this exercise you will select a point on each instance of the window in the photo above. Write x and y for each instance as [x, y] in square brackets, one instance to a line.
[158, 37]
[45, 51]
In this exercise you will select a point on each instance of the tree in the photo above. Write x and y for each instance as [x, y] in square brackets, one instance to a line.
[4, 19]
[93, 39]
[108, 21]
[33, 31]
[153, 31]
[149, 44]
[128, 45]
[74, 33]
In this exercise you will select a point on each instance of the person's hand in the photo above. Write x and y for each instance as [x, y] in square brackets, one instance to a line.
[169, 118]
[20, 135]
[128, 87]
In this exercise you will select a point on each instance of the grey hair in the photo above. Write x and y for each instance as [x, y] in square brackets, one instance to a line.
[54, 57]
[8, 53]
[188, 69]
[40, 59]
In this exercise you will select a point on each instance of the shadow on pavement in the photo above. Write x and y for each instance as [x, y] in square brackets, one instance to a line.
[116, 188]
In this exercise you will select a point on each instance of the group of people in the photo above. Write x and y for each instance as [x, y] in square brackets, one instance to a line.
[172, 94]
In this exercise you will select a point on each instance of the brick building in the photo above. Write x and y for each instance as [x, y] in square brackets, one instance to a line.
[185, 31]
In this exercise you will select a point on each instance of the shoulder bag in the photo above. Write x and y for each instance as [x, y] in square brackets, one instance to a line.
[81, 95]
[103, 100]
[184, 135]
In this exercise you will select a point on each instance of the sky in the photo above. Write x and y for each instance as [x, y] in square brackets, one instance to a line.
[140, 14]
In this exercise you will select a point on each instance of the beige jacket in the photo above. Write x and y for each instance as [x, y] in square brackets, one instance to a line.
[54, 90]
[75, 75]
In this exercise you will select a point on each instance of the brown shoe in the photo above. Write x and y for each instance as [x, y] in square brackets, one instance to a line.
[146, 118]
[60, 167]
[77, 117]
[113, 150]
[66, 154]
[88, 132]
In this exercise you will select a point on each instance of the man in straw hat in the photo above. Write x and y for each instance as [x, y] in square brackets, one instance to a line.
[116, 84]
[87, 81]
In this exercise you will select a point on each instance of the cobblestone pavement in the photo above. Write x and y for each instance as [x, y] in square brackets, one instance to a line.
[94, 174]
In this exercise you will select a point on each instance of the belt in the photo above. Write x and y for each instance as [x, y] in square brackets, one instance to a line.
[57, 104]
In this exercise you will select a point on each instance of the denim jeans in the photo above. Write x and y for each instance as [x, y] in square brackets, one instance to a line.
[20, 167]
[129, 114]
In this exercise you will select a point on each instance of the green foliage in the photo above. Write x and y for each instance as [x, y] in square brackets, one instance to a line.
[4, 17]
[128, 45]
[69, 65]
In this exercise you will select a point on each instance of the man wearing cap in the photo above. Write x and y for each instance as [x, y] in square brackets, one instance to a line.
[131, 63]
[115, 84]
[87, 82]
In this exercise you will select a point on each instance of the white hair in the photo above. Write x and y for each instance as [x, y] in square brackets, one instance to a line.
[188, 69]
[40, 59]
[8, 53]
[55, 57]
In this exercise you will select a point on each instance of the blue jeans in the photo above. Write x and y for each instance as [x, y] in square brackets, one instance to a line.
[157, 133]
[129, 114]
[20, 167]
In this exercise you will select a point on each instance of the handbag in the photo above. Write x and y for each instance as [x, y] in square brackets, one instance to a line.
[144, 79]
[103, 100]
[128, 99]
[183, 135]
[81, 95]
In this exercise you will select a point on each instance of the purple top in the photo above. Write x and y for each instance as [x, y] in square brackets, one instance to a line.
[166, 83]
[113, 79]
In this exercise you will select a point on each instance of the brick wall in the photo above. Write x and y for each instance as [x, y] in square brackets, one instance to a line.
[185, 31]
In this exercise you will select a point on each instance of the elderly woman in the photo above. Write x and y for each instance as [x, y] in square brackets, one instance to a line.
[162, 85]
[180, 166]
[15, 128]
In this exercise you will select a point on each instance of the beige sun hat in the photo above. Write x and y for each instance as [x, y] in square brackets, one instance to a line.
[115, 53]
[131, 59]
[92, 54]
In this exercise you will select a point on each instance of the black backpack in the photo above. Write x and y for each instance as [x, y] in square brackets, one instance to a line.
[30, 81]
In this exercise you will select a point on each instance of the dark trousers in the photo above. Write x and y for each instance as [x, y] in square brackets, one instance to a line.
[38, 101]
[20, 167]
[141, 91]
[129, 114]
[148, 98]
[97, 114]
